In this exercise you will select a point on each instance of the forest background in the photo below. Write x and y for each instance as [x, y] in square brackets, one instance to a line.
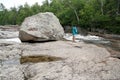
[92, 15]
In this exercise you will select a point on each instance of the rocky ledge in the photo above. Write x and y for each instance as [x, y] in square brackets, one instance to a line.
[58, 60]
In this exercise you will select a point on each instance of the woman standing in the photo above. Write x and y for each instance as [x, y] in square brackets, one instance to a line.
[74, 32]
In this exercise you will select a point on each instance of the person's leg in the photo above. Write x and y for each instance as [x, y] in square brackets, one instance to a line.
[73, 38]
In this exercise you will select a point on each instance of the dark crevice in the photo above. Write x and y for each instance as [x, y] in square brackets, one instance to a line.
[78, 46]
[115, 56]
[31, 41]
[25, 78]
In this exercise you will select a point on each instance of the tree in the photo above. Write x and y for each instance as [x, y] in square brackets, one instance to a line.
[72, 5]
[35, 8]
[12, 15]
[2, 7]
[23, 12]
[88, 14]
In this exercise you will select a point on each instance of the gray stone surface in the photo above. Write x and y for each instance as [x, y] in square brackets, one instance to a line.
[81, 62]
[10, 68]
[41, 27]
[11, 72]
[9, 51]
[8, 34]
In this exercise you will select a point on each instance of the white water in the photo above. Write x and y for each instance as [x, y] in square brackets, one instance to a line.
[17, 40]
[91, 38]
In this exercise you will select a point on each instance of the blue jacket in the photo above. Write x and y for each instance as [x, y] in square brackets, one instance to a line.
[74, 30]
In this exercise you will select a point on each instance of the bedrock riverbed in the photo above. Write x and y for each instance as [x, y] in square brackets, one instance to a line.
[59, 60]
[56, 60]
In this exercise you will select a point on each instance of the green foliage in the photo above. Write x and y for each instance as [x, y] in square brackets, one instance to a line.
[88, 14]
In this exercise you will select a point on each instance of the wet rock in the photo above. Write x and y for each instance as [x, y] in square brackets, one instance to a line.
[41, 27]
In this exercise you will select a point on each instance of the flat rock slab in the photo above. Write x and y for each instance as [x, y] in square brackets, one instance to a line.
[11, 72]
[10, 67]
[80, 62]
[8, 34]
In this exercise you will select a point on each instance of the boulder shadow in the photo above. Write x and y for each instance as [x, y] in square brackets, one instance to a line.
[38, 41]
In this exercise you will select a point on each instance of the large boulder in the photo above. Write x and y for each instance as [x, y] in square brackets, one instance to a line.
[41, 27]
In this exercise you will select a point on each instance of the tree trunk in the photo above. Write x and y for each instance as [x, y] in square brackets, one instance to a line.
[118, 7]
[77, 17]
[68, 2]
[102, 4]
